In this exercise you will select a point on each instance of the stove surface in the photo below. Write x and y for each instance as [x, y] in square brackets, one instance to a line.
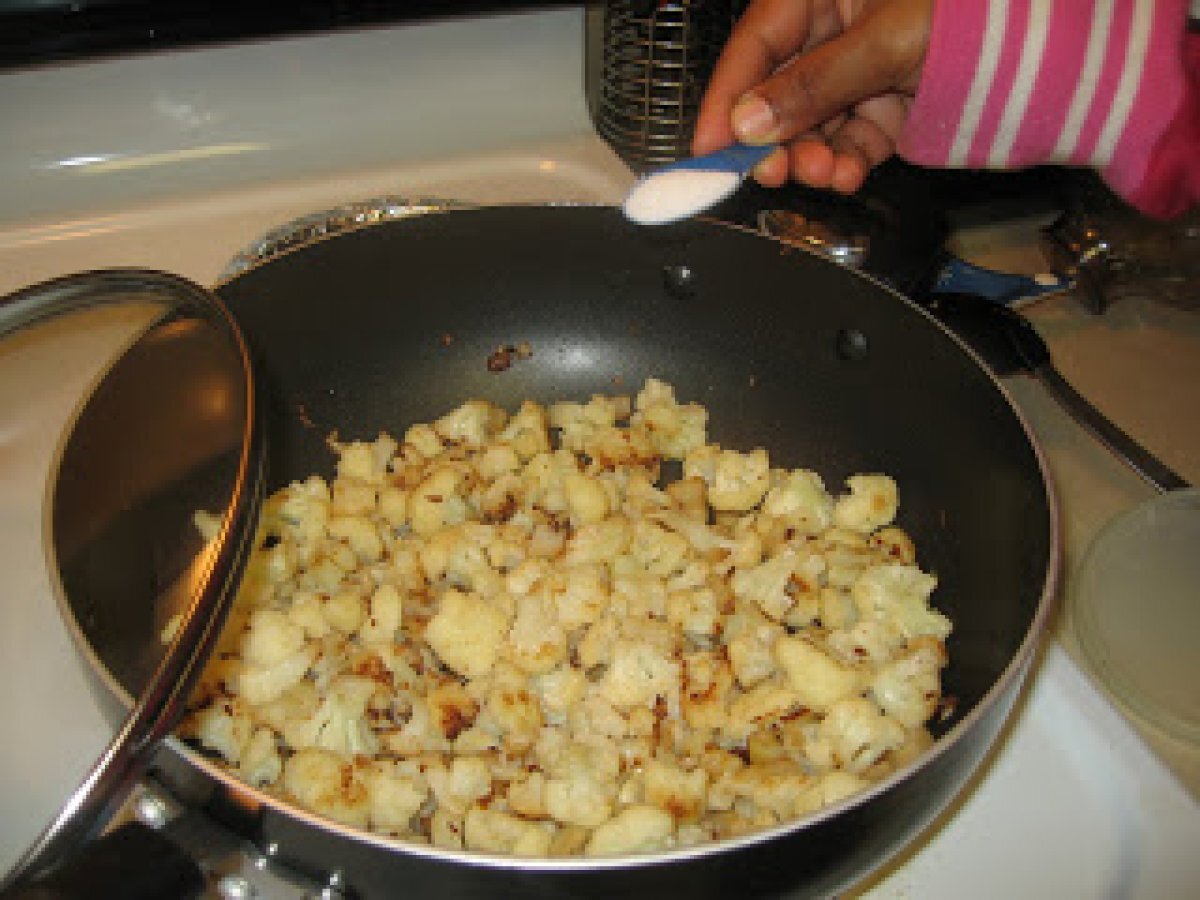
[1080, 798]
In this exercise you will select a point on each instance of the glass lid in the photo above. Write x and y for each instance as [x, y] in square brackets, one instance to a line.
[130, 423]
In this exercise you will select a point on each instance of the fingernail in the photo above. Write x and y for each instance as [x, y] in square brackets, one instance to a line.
[754, 120]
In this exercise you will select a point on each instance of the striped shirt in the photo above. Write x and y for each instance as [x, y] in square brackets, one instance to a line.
[1112, 84]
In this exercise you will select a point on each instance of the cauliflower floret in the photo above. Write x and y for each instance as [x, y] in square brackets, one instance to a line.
[750, 655]
[581, 595]
[799, 496]
[776, 790]
[871, 503]
[860, 733]
[587, 501]
[736, 481]
[696, 612]
[834, 787]
[340, 723]
[818, 679]
[536, 642]
[836, 608]
[446, 829]
[343, 611]
[394, 798]
[595, 645]
[909, 688]
[767, 584]
[467, 633]
[275, 657]
[578, 797]
[560, 689]
[423, 440]
[675, 429]
[900, 594]
[471, 424]
[271, 638]
[436, 503]
[583, 424]
[696, 531]
[496, 461]
[261, 763]
[359, 534]
[384, 613]
[495, 831]
[598, 542]
[224, 726]
[867, 640]
[467, 779]
[321, 781]
[516, 713]
[527, 795]
[638, 674]
[353, 497]
[363, 461]
[302, 509]
[635, 829]
[657, 550]
[682, 793]
[526, 431]
[599, 410]
[707, 685]
[763, 704]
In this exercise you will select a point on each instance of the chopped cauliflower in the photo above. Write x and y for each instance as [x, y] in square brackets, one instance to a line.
[871, 503]
[900, 594]
[767, 584]
[515, 635]
[636, 829]
[736, 481]
[467, 633]
[800, 498]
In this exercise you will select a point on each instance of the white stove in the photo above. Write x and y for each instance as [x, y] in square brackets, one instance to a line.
[178, 161]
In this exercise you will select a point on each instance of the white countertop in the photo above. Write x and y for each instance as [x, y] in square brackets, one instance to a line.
[1073, 802]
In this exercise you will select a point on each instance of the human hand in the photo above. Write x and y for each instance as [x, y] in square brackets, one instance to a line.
[830, 80]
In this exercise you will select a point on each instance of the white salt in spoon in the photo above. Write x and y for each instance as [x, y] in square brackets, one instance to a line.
[690, 186]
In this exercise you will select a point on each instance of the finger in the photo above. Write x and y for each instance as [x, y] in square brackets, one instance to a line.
[874, 56]
[768, 33]
[888, 113]
[809, 90]
[831, 126]
[858, 147]
[812, 161]
[772, 171]
[865, 137]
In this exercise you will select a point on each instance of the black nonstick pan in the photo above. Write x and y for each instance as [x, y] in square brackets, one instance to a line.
[396, 322]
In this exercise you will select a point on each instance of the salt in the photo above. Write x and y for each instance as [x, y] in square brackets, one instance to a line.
[675, 194]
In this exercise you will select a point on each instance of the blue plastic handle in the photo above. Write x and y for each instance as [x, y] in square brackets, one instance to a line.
[739, 158]
[961, 277]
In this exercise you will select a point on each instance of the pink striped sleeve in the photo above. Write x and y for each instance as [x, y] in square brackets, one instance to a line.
[1102, 83]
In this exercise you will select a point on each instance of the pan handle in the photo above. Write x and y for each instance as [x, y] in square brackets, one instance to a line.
[1009, 343]
[1147, 466]
[132, 862]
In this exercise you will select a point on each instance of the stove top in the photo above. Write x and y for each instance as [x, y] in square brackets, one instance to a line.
[1079, 799]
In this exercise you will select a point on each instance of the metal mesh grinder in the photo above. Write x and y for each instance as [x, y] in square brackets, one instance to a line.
[648, 64]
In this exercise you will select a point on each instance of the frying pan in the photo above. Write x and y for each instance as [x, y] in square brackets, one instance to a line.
[394, 323]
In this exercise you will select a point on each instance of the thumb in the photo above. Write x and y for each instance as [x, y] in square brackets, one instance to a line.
[879, 54]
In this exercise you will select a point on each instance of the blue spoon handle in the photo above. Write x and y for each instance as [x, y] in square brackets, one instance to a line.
[740, 158]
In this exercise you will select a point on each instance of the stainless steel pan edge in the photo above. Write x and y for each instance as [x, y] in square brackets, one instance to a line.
[764, 864]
